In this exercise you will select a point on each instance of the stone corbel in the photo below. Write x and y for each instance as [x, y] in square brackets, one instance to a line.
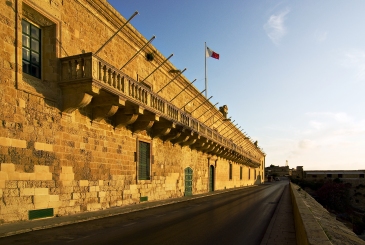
[216, 150]
[199, 144]
[127, 115]
[211, 148]
[144, 122]
[78, 95]
[106, 105]
[192, 139]
[162, 127]
[174, 133]
[184, 136]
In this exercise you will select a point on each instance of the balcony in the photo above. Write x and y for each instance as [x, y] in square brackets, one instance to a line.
[88, 80]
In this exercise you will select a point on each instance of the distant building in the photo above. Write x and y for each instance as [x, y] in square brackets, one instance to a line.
[273, 170]
[297, 173]
[333, 174]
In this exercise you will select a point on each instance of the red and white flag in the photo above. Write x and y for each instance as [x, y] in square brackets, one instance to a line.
[211, 53]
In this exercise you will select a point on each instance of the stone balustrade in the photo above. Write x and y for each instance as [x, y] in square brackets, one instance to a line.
[86, 77]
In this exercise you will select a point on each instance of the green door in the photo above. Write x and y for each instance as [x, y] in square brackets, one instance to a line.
[211, 178]
[188, 182]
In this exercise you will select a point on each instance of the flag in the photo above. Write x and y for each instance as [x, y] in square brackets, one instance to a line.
[211, 53]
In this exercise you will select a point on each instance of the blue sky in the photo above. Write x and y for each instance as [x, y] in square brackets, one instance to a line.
[291, 72]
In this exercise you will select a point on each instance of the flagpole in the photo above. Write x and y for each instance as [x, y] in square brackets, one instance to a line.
[205, 66]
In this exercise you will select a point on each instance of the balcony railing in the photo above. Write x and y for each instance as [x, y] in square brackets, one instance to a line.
[88, 67]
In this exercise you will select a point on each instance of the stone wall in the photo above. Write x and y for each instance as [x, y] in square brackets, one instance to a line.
[68, 161]
[315, 225]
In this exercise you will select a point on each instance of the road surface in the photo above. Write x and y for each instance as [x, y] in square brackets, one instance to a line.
[236, 217]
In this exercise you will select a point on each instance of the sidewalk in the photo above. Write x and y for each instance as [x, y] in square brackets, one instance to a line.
[281, 229]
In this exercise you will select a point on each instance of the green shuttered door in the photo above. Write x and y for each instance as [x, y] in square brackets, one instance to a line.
[144, 161]
[188, 182]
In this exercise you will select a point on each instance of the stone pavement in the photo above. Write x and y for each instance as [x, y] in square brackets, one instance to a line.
[281, 229]
[278, 230]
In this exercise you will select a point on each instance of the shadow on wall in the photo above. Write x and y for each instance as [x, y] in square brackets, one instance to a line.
[258, 180]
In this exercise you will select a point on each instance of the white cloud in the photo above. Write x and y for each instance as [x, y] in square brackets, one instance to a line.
[355, 60]
[275, 28]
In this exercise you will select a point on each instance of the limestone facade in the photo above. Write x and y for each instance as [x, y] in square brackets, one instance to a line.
[71, 139]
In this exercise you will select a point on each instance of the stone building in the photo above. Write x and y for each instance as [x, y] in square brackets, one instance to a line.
[333, 174]
[83, 129]
[273, 170]
[297, 172]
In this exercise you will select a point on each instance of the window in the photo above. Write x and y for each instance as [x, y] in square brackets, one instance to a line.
[340, 176]
[144, 164]
[249, 173]
[314, 176]
[31, 49]
[230, 171]
[361, 176]
[329, 175]
[240, 173]
[255, 174]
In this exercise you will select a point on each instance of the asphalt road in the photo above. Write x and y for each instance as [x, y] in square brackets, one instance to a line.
[237, 217]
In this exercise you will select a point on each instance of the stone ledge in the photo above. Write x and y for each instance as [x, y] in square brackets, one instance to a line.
[314, 225]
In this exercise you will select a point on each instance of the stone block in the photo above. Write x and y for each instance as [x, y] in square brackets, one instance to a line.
[7, 167]
[76, 196]
[11, 192]
[84, 183]
[5, 141]
[11, 184]
[41, 169]
[41, 191]
[93, 206]
[2, 183]
[38, 146]
[41, 201]
[43, 176]
[55, 204]
[67, 176]
[18, 143]
[14, 176]
[48, 147]
[54, 198]
[4, 176]
[101, 194]
[27, 192]
[66, 183]
[26, 176]
[21, 103]
[67, 170]
[101, 182]
[133, 187]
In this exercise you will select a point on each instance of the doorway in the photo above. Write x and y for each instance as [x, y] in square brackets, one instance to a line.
[211, 178]
[188, 182]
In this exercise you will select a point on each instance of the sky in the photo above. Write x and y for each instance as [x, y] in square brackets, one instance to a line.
[292, 73]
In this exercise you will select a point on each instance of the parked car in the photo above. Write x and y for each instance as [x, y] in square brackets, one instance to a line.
[277, 179]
